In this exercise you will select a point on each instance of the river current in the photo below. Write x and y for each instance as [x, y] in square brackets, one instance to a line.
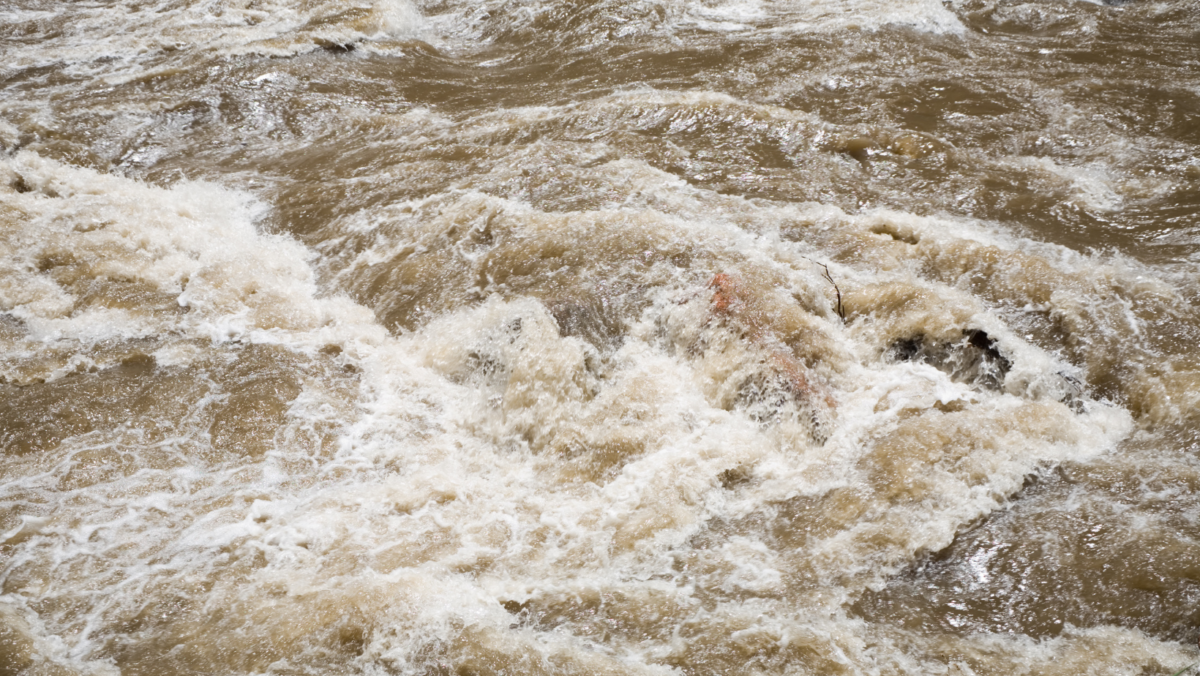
[599, 337]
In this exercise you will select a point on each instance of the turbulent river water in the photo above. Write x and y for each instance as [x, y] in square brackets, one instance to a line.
[693, 337]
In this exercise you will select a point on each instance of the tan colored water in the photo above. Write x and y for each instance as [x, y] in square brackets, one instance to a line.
[555, 337]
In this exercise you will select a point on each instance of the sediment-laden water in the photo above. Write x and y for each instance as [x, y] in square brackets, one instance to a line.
[599, 337]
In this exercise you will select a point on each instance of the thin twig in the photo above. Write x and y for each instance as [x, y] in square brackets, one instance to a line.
[829, 277]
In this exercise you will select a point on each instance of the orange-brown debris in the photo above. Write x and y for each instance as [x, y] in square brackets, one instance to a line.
[735, 303]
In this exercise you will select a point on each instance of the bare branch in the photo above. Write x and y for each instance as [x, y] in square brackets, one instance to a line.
[841, 311]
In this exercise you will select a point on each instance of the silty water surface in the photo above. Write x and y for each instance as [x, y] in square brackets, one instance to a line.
[503, 337]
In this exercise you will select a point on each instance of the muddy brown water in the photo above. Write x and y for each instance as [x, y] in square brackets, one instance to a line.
[564, 337]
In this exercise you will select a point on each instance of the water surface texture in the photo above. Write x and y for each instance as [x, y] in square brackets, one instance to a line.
[599, 337]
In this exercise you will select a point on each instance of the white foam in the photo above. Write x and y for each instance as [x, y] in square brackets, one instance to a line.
[272, 27]
[474, 22]
[1090, 187]
[925, 15]
[195, 241]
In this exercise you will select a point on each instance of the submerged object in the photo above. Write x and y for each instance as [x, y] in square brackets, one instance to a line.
[733, 302]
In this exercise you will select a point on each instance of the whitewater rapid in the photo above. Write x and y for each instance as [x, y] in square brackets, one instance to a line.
[586, 338]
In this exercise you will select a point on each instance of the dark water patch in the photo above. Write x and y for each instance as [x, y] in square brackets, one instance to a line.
[1083, 547]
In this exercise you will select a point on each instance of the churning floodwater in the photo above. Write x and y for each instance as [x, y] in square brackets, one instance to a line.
[599, 337]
